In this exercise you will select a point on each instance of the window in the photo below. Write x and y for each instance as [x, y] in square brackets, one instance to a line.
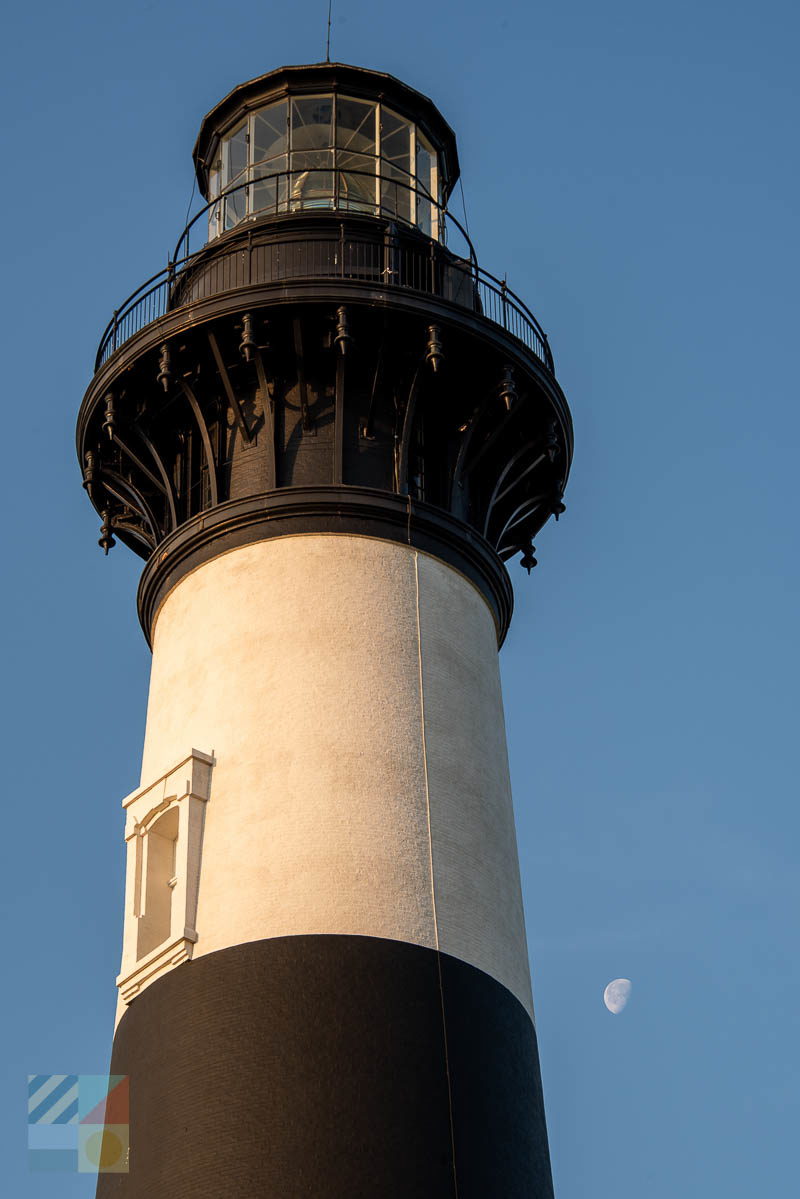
[325, 152]
[156, 879]
[270, 133]
[234, 176]
[355, 154]
[311, 158]
[269, 141]
[427, 172]
[164, 835]
[395, 165]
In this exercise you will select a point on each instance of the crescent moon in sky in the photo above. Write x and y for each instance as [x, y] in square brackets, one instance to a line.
[616, 994]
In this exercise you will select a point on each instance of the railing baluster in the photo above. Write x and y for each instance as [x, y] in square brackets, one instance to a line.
[386, 263]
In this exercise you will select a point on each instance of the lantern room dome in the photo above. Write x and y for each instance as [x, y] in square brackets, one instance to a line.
[326, 137]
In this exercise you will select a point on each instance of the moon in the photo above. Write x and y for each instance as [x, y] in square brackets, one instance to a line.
[617, 994]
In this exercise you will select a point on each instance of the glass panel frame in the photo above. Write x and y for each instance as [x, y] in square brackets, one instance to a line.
[214, 187]
[306, 132]
[324, 149]
[272, 119]
[235, 153]
[396, 166]
[427, 180]
[235, 202]
[311, 180]
[356, 137]
[355, 182]
[270, 190]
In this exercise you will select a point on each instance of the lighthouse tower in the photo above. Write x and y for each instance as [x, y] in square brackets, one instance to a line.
[326, 429]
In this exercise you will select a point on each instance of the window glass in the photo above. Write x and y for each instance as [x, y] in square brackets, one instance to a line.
[396, 199]
[214, 179]
[269, 193]
[424, 166]
[355, 125]
[425, 185]
[395, 164]
[311, 179]
[396, 142]
[356, 181]
[159, 868]
[235, 201]
[312, 123]
[355, 137]
[294, 159]
[270, 132]
[215, 212]
[235, 153]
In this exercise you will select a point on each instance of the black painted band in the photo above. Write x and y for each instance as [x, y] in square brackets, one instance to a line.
[331, 1067]
[357, 511]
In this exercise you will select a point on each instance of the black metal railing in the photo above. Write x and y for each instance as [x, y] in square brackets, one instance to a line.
[249, 200]
[413, 263]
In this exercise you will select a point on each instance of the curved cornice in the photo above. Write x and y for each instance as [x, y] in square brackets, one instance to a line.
[354, 511]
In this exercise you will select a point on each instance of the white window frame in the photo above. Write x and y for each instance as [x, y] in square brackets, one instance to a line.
[186, 788]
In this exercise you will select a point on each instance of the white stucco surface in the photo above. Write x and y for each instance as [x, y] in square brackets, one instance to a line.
[349, 691]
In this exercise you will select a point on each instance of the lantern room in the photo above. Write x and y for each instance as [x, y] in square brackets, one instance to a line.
[323, 138]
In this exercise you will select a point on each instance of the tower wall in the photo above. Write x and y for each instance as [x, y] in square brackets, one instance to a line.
[360, 935]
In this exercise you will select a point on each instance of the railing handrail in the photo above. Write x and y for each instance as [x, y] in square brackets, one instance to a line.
[123, 308]
[470, 269]
[443, 210]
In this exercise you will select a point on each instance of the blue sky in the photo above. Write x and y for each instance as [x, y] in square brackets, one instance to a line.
[633, 167]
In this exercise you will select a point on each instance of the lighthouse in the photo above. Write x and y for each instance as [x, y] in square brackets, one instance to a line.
[329, 432]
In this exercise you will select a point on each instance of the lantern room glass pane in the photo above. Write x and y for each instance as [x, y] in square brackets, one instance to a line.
[214, 180]
[425, 185]
[355, 125]
[396, 200]
[236, 201]
[270, 133]
[325, 152]
[312, 123]
[356, 182]
[235, 159]
[395, 139]
[270, 192]
[311, 179]
[396, 165]
[215, 212]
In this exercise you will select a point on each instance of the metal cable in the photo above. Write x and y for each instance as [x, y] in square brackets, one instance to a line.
[430, 859]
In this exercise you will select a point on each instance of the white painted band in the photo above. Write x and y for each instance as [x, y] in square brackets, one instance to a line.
[349, 691]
